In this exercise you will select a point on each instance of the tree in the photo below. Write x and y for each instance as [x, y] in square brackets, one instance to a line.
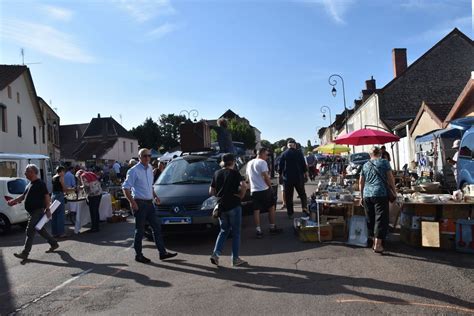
[169, 130]
[281, 143]
[148, 134]
[242, 132]
[266, 144]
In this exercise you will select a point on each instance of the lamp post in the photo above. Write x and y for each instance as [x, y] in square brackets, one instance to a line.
[191, 113]
[325, 109]
[333, 82]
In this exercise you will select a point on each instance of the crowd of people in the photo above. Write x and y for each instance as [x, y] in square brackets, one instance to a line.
[228, 186]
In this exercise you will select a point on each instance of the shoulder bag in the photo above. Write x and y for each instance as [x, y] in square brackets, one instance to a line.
[392, 196]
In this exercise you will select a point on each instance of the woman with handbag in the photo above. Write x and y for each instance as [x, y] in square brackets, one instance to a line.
[377, 187]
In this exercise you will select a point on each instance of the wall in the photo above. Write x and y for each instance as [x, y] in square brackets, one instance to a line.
[9, 141]
[117, 152]
[425, 124]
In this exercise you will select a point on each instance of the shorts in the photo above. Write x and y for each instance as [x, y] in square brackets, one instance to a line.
[263, 200]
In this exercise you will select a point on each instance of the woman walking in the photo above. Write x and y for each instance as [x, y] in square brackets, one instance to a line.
[59, 188]
[376, 180]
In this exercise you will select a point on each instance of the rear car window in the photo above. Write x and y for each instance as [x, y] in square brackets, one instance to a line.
[8, 169]
[467, 147]
[17, 186]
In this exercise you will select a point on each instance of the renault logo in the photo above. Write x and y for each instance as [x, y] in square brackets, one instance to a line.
[176, 209]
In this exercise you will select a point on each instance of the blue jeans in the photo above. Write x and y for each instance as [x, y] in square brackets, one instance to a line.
[229, 220]
[146, 212]
[57, 222]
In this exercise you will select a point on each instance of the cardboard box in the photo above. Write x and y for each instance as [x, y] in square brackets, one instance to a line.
[456, 211]
[332, 219]
[406, 220]
[430, 234]
[310, 234]
[416, 221]
[410, 237]
[338, 229]
[425, 210]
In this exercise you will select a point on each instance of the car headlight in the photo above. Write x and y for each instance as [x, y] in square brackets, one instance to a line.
[209, 204]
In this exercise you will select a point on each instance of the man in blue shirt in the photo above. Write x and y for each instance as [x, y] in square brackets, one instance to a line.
[69, 178]
[138, 188]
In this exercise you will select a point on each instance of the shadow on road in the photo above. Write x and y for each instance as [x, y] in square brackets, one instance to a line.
[292, 281]
[117, 270]
[7, 302]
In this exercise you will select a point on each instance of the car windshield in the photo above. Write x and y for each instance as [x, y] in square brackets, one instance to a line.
[360, 156]
[17, 186]
[186, 171]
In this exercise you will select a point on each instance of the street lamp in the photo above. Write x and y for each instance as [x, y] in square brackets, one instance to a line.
[191, 113]
[333, 82]
[325, 109]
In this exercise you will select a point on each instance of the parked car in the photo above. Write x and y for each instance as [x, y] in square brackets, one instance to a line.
[465, 163]
[11, 188]
[183, 189]
[13, 165]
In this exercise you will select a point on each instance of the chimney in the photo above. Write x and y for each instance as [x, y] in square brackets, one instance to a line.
[98, 115]
[370, 84]
[399, 58]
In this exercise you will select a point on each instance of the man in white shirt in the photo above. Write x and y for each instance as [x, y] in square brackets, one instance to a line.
[454, 161]
[261, 191]
[116, 168]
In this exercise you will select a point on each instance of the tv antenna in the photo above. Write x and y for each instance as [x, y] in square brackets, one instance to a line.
[120, 116]
[22, 53]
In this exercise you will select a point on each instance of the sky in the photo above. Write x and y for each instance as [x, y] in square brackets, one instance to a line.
[267, 60]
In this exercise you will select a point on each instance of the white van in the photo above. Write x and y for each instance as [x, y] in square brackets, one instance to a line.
[11, 188]
[13, 166]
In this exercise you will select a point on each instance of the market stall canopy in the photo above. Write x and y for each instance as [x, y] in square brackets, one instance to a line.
[333, 149]
[367, 136]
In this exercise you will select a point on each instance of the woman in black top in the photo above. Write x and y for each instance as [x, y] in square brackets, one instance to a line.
[57, 223]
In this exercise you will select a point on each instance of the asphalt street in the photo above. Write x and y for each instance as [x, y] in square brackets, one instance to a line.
[97, 274]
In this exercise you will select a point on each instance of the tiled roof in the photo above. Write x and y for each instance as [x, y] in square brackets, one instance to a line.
[68, 140]
[8, 73]
[106, 127]
[87, 149]
[441, 110]
[439, 75]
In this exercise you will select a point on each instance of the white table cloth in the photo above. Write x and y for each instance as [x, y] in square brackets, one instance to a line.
[83, 216]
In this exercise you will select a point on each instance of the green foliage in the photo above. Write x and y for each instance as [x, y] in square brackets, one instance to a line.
[242, 132]
[148, 134]
[163, 134]
[280, 143]
[265, 143]
[213, 136]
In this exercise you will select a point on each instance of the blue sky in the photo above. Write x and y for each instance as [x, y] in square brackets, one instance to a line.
[268, 60]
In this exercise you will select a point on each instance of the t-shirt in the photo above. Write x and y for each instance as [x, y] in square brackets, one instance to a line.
[226, 182]
[116, 167]
[255, 168]
[34, 195]
[374, 186]
[91, 184]
[310, 160]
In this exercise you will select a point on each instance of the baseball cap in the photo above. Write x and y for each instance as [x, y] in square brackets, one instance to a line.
[228, 158]
[291, 141]
[456, 143]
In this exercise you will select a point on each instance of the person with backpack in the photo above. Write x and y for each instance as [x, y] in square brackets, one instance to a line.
[229, 188]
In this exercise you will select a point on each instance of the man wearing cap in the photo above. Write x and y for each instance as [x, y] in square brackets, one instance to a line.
[228, 187]
[294, 171]
[138, 188]
[453, 161]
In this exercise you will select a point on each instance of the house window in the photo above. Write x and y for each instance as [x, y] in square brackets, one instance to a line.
[34, 135]
[18, 120]
[123, 146]
[131, 147]
[18, 97]
[9, 92]
[43, 134]
[3, 118]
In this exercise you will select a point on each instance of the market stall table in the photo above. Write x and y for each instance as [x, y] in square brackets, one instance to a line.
[83, 216]
[348, 204]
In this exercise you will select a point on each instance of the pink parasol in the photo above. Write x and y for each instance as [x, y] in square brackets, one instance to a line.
[366, 136]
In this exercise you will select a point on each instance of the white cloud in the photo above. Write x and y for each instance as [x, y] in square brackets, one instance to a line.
[144, 10]
[162, 30]
[336, 9]
[58, 13]
[44, 39]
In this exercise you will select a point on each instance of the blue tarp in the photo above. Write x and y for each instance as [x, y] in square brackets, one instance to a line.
[443, 133]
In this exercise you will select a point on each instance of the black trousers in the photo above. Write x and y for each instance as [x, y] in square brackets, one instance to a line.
[94, 203]
[289, 191]
[376, 211]
[34, 218]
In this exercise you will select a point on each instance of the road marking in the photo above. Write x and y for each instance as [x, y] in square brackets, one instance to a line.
[468, 310]
[24, 306]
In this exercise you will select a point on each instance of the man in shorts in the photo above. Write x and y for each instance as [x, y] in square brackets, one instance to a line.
[261, 191]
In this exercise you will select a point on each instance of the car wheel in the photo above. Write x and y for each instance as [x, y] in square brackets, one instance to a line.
[5, 225]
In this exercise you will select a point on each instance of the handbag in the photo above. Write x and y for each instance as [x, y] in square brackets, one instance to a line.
[392, 196]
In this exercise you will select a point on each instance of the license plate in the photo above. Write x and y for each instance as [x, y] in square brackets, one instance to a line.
[175, 220]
